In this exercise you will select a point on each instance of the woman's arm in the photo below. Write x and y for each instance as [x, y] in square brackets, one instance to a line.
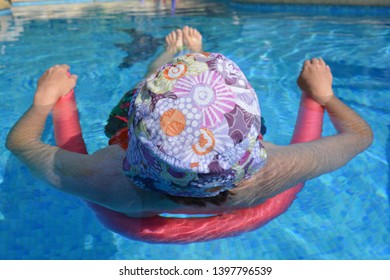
[61, 169]
[289, 165]
[316, 80]
[96, 178]
[24, 139]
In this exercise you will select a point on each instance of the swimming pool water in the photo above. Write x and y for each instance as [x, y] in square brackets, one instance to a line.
[342, 215]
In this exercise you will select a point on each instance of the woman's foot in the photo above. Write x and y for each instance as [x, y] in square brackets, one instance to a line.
[174, 41]
[192, 39]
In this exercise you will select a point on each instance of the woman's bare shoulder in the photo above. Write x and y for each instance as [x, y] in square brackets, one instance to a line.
[286, 166]
[113, 151]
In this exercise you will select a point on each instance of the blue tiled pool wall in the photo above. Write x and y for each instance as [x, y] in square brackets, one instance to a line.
[312, 9]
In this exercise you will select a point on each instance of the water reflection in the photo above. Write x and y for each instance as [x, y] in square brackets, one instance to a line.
[10, 29]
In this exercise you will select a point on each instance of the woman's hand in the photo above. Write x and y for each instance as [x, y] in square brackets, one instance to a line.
[53, 84]
[316, 80]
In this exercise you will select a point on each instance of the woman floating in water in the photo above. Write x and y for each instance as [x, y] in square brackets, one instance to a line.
[195, 143]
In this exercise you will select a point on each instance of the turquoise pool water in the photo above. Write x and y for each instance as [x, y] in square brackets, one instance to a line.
[342, 215]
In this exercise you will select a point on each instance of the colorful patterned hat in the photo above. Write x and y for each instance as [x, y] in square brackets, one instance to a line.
[194, 128]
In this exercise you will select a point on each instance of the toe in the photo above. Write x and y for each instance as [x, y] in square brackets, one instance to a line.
[313, 60]
[169, 37]
[192, 32]
[185, 33]
[185, 30]
[306, 63]
[179, 34]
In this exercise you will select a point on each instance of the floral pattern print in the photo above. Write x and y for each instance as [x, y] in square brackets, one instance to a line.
[194, 128]
[209, 94]
[179, 67]
[229, 70]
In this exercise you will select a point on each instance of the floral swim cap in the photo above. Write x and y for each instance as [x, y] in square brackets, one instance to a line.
[194, 128]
